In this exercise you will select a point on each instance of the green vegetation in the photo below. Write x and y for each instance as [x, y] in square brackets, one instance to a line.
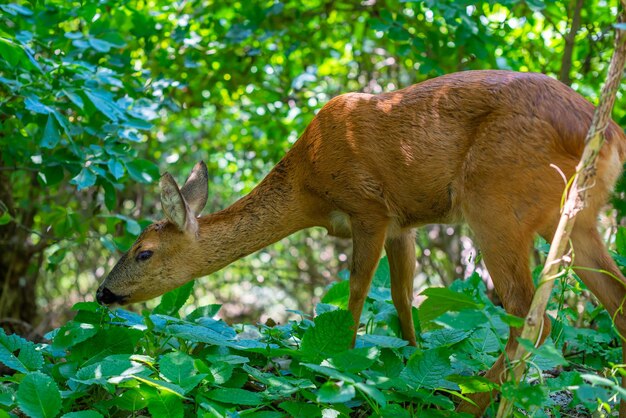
[120, 363]
[97, 98]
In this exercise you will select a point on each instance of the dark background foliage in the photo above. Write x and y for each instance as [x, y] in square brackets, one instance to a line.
[99, 97]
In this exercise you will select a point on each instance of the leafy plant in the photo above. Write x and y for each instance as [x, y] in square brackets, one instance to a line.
[117, 363]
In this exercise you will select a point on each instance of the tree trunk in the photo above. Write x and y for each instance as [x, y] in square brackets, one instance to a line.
[18, 273]
[568, 51]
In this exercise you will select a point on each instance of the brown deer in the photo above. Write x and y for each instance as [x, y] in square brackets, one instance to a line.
[486, 147]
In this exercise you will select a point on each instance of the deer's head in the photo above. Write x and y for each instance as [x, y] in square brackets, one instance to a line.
[162, 257]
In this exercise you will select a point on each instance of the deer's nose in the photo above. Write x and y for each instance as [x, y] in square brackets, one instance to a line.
[105, 297]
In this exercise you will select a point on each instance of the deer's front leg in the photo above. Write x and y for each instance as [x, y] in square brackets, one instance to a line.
[368, 238]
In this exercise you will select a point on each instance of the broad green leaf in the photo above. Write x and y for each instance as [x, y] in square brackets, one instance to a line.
[383, 341]
[235, 396]
[207, 311]
[301, 409]
[355, 360]
[33, 103]
[338, 294]
[73, 333]
[547, 351]
[7, 396]
[19, 354]
[172, 301]
[105, 343]
[428, 369]
[143, 171]
[331, 334]
[115, 168]
[335, 392]
[39, 396]
[441, 300]
[16, 9]
[86, 178]
[111, 369]
[444, 337]
[473, 384]
[130, 400]
[74, 98]
[104, 102]
[82, 414]
[394, 411]
[51, 135]
[5, 218]
[164, 404]
[179, 369]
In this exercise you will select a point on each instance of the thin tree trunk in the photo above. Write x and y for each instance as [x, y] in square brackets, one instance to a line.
[570, 40]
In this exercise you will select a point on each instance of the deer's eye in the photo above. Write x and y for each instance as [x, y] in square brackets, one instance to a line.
[144, 255]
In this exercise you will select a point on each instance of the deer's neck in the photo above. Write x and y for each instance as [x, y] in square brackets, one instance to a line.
[272, 211]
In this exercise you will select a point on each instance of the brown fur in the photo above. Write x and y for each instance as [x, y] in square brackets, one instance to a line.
[477, 146]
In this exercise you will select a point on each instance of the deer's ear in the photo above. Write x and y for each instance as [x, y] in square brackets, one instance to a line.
[195, 190]
[175, 206]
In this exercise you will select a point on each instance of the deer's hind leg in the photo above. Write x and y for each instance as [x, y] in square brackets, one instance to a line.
[594, 265]
[401, 255]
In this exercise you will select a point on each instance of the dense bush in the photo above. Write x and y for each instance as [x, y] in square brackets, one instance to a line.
[119, 363]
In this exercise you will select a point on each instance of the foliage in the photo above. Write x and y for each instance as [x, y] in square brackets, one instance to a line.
[117, 363]
[97, 97]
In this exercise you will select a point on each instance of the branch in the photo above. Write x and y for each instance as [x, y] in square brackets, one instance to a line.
[583, 181]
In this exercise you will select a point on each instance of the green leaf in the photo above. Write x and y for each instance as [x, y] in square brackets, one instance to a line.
[86, 178]
[74, 98]
[131, 400]
[335, 392]
[39, 396]
[112, 369]
[105, 343]
[73, 333]
[441, 300]
[331, 334]
[179, 369]
[7, 397]
[15, 9]
[383, 341]
[165, 404]
[355, 360]
[338, 294]
[5, 218]
[51, 135]
[172, 301]
[83, 414]
[235, 396]
[301, 409]
[28, 358]
[115, 168]
[547, 350]
[473, 384]
[103, 101]
[143, 171]
[427, 369]
[33, 104]
[620, 238]
[207, 311]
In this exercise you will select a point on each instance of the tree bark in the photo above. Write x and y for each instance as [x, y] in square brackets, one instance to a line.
[570, 40]
[18, 275]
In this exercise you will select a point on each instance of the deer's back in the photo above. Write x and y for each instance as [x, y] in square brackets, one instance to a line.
[410, 153]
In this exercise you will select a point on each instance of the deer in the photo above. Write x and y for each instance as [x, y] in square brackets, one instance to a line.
[489, 148]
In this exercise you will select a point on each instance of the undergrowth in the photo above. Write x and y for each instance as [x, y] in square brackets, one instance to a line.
[119, 363]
